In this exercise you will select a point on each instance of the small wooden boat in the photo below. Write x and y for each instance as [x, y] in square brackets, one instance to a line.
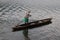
[33, 24]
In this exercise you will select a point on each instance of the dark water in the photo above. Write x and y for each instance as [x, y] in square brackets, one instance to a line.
[12, 14]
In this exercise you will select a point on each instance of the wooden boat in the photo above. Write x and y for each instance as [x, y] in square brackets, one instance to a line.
[33, 24]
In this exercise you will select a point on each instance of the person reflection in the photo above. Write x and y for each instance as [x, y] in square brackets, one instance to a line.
[25, 20]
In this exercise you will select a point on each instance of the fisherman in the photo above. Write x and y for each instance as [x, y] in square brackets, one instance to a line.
[25, 20]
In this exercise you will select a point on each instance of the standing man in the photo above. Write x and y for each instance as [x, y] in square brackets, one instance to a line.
[25, 20]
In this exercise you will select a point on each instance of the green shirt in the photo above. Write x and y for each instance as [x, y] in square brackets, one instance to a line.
[25, 20]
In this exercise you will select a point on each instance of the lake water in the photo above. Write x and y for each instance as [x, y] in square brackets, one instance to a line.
[12, 14]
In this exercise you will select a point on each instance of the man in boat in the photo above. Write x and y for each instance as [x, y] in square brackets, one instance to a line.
[25, 20]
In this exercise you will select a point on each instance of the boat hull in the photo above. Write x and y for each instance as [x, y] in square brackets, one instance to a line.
[33, 24]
